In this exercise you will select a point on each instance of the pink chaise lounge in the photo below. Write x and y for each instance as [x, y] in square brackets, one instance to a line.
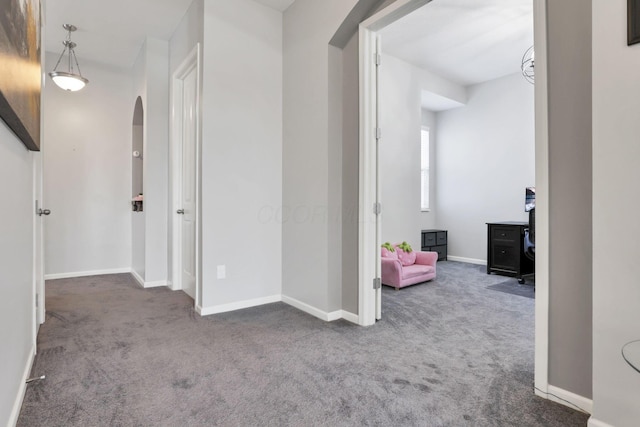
[400, 268]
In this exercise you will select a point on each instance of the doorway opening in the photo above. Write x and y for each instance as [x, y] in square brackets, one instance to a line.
[370, 230]
[137, 193]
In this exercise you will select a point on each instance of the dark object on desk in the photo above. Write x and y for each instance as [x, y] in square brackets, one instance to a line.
[505, 250]
[435, 241]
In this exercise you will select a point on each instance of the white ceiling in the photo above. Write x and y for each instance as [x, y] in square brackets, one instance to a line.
[464, 41]
[112, 31]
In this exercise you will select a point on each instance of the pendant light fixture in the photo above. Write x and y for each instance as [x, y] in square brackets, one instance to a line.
[527, 66]
[69, 80]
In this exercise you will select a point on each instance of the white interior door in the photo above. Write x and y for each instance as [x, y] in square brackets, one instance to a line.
[188, 187]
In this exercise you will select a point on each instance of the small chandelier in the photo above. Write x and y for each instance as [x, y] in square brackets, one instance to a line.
[527, 66]
[68, 80]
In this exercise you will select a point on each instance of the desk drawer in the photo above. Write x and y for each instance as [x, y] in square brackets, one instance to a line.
[511, 234]
[505, 257]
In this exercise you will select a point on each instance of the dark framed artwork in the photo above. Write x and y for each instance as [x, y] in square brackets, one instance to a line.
[20, 69]
[633, 22]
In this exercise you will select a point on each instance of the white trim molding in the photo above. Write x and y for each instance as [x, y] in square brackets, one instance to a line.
[467, 260]
[541, 364]
[86, 273]
[138, 278]
[224, 308]
[156, 284]
[321, 314]
[597, 423]
[17, 405]
[567, 398]
[350, 317]
[316, 312]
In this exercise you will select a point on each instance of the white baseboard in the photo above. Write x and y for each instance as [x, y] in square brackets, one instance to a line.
[138, 278]
[17, 405]
[467, 260]
[350, 317]
[223, 308]
[86, 273]
[316, 312]
[156, 284]
[320, 314]
[568, 399]
[596, 423]
[334, 315]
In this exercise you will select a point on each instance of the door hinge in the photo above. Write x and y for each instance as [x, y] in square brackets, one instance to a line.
[377, 58]
[377, 208]
[36, 300]
[377, 283]
[378, 133]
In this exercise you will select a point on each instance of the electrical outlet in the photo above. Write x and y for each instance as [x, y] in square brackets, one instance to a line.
[222, 272]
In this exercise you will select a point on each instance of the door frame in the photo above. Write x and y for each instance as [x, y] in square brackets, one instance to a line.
[192, 61]
[369, 254]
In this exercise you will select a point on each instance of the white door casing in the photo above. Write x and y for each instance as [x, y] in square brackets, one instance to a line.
[185, 165]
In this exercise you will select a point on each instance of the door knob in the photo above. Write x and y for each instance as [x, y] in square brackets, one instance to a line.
[44, 212]
[180, 211]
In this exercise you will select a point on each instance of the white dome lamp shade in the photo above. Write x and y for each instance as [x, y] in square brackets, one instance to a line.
[68, 80]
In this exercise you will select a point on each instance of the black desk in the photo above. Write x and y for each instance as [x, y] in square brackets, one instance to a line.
[505, 250]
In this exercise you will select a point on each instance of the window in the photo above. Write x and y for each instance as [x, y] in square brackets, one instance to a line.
[424, 169]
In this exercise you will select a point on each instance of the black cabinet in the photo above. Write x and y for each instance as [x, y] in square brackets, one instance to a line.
[435, 241]
[505, 250]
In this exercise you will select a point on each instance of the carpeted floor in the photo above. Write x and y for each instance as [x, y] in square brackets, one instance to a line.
[512, 286]
[447, 353]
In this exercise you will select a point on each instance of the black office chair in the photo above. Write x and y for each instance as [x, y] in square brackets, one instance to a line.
[530, 236]
[529, 242]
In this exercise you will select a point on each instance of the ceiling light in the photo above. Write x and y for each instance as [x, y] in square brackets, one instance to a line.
[68, 80]
[527, 66]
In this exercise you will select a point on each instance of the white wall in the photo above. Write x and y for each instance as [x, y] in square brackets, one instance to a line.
[309, 25]
[151, 83]
[401, 121]
[241, 153]
[570, 257]
[616, 150]
[156, 161]
[402, 118]
[16, 262]
[189, 32]
[429, 219]
[350, 173]
[87, 177]
[485, 159]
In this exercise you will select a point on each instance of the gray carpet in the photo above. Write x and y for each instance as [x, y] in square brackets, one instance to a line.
[512, 286]
[447, 353]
